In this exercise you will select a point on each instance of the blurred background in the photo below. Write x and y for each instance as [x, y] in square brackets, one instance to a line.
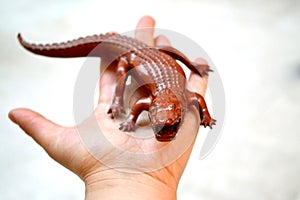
[255, 46]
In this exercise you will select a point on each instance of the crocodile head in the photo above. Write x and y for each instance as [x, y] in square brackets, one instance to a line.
[166, 116]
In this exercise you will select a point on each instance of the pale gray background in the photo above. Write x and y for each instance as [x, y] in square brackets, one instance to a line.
[255, 46]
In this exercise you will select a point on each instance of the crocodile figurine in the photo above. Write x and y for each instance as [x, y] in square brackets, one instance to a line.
[155, 68]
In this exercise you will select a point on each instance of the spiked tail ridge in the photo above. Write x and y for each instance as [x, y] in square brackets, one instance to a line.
[81, 47]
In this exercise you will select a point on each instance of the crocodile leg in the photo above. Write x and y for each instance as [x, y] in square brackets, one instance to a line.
[198, 101]
[202, 70]
[139, 106]
[117, 106]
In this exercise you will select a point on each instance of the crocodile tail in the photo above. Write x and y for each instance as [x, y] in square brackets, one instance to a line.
[81, 47]
[201, 69]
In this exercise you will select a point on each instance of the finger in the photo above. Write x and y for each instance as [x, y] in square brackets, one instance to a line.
[107, 82]
[162, 40]
[43, 131]
[145, 30]
[198, 83]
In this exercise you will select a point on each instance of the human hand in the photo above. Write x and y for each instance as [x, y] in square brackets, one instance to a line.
[120, 164]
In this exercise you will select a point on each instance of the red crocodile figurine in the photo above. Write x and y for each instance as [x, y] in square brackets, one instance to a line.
[155, 68]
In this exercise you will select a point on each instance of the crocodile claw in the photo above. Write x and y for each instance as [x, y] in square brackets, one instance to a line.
[208, 122]
[115, 111]
[127, 126]
[203, 70]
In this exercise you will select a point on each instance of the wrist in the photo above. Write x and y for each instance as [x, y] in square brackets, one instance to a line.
[120, 185]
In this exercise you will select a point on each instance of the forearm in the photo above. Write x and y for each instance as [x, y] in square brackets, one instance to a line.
[111, 191]
[128, 189]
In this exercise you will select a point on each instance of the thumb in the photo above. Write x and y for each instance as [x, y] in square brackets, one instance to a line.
[42, 130]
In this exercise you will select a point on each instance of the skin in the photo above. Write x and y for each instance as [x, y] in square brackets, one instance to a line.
[64, 145]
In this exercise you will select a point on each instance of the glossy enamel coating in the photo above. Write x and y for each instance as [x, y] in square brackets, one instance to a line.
[155, 68]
